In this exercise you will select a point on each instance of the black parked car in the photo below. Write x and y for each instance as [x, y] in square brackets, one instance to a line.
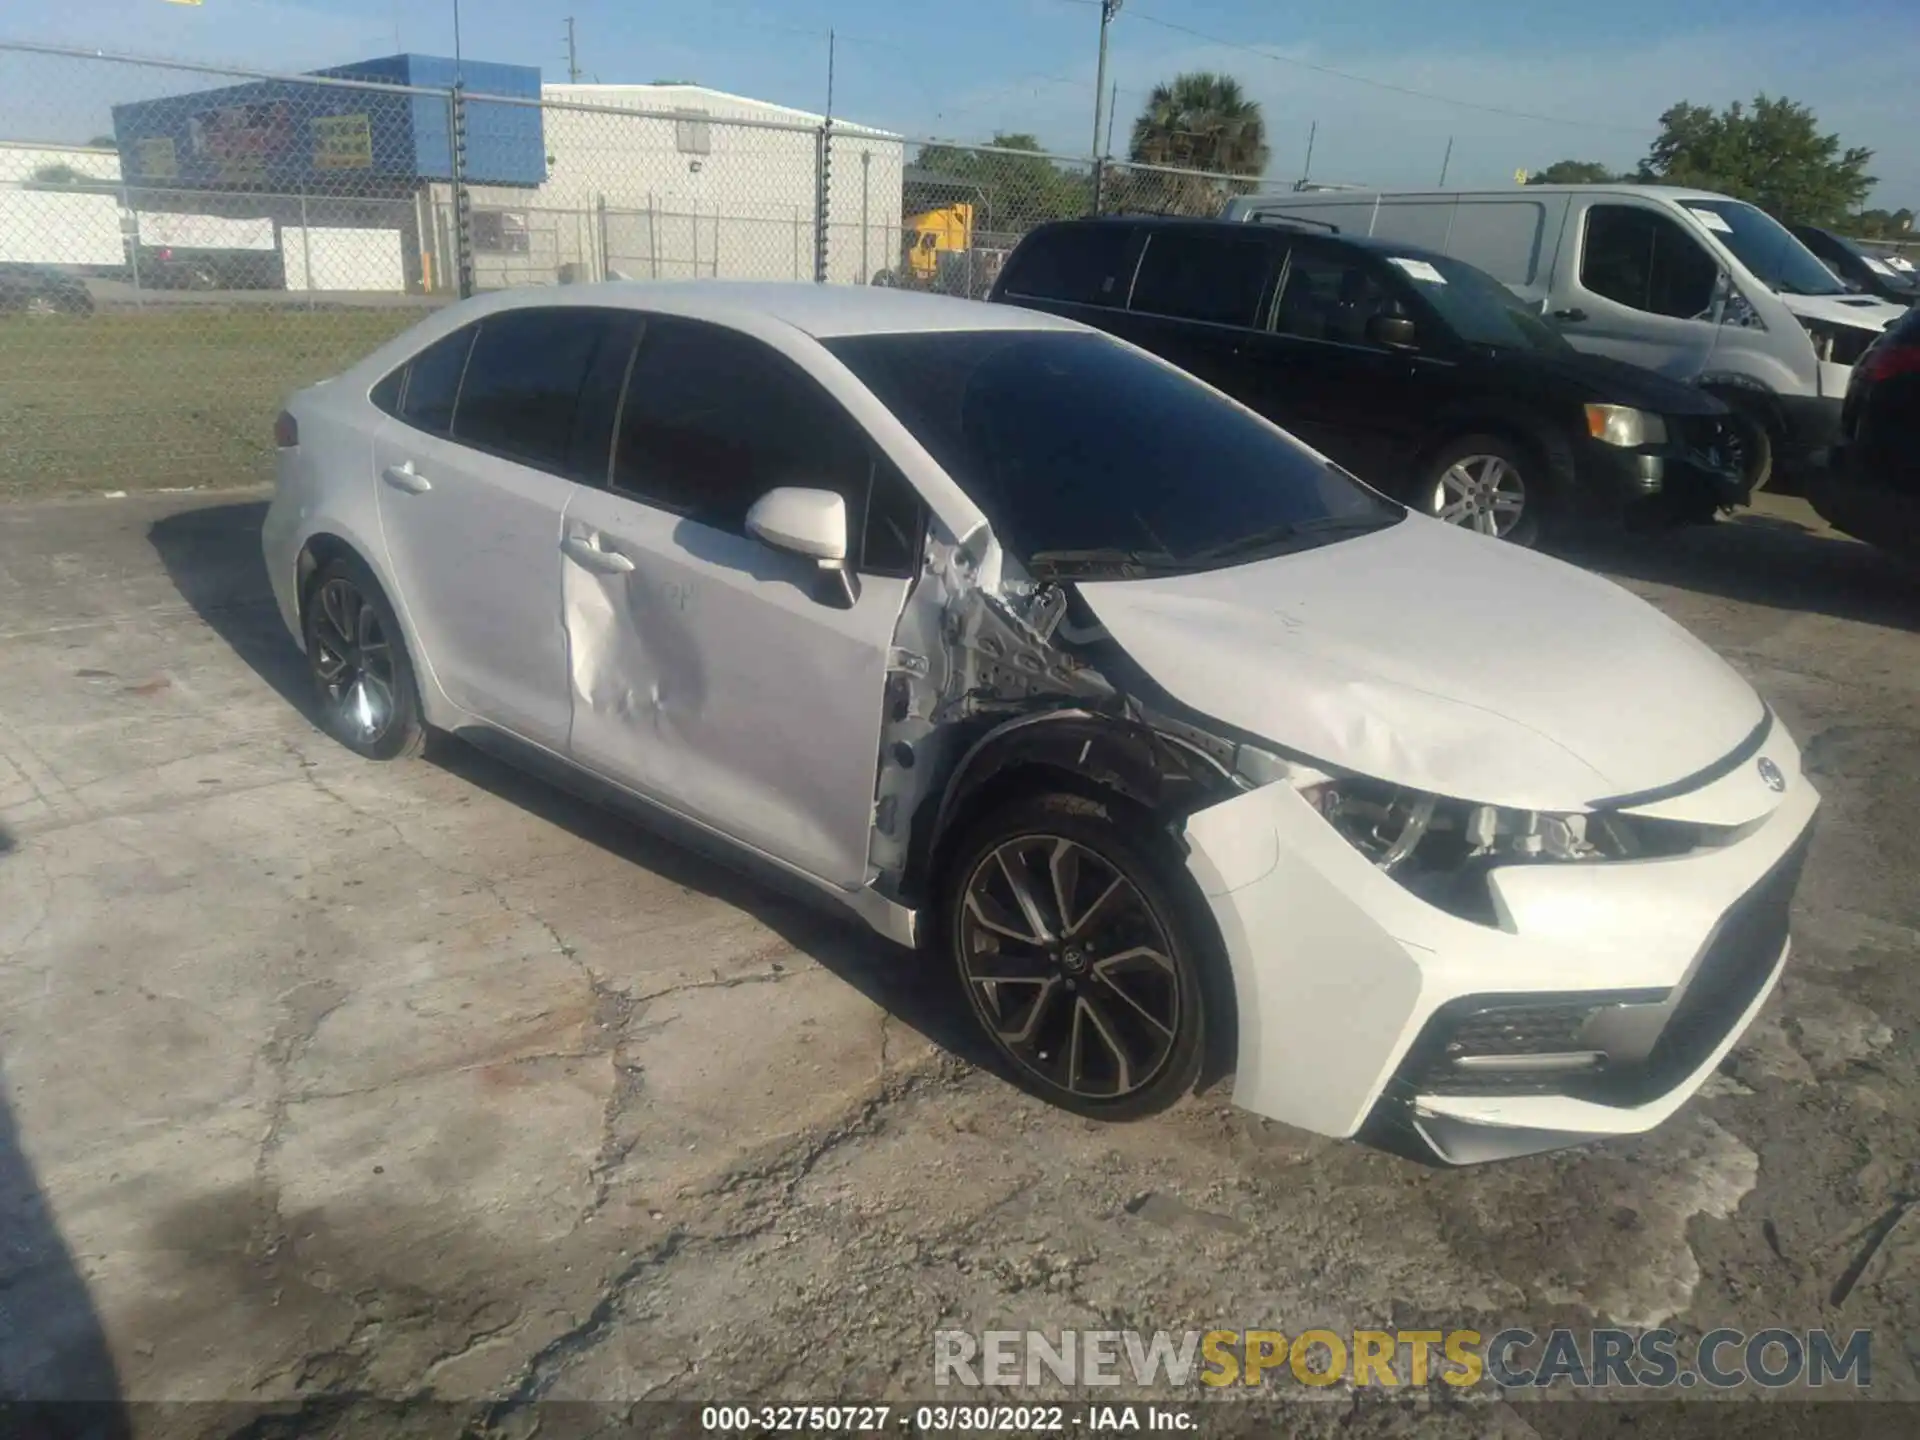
[42, 290]
[1858, 266]
[1424, 376]
[1871, 485]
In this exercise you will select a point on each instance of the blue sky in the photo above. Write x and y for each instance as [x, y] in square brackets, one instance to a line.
[1586, 80]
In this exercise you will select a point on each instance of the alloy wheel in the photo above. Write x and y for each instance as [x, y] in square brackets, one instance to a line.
[1480, 492]
[41, 305]
[353, 661]
[1069, 967]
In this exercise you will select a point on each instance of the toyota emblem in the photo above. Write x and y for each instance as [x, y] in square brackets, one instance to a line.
[1771, 775]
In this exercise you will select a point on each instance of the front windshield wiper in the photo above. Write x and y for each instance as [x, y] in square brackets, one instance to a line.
[1062, 564]
[1323, 527]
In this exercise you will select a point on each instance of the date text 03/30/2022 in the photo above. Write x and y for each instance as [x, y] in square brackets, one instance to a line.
[938, 1419]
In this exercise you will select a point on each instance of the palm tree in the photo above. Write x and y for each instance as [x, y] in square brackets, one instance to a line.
[1201, 121]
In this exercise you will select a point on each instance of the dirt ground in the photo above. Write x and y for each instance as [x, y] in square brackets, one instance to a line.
[430, 1082]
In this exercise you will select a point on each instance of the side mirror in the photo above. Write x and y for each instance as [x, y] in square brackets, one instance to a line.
[812, 523]
[1394, 331]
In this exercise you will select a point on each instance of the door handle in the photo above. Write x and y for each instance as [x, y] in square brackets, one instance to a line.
[404, 477]
[1576, 314]
[591, 557]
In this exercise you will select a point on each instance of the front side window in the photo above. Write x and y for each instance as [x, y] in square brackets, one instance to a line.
[1330, 295]
[1639, 258]
[541, 386]
[714, 419]
[1202, 277]
[433, 382]
[1090, 458]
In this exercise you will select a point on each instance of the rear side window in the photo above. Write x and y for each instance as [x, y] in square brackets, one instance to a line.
[1072, 264]
[1202, 277]
[1642, 259]
[542, 385]
[433, 382]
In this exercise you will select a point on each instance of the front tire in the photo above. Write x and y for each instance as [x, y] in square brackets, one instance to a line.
[362, 675]
[1489, 484]
[1072, 935]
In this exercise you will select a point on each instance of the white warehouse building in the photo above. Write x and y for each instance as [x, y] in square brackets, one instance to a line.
[681, 181]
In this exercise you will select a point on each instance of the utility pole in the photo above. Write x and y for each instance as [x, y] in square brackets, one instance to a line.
[573, 56]
[1113, 104]
[1445, 161]
[1306, 174]
[1108, 9]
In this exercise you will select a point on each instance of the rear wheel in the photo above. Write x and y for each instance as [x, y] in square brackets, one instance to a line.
[1489, 484]
[1076, 949]
[362, 675]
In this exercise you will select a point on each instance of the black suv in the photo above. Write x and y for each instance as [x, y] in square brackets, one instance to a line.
[1422, 375]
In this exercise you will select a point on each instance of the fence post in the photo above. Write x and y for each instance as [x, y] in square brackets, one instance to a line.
[606, 253]
[462, 203]
[306, 246]
[130, 231]
[823, 189]
[866, 162]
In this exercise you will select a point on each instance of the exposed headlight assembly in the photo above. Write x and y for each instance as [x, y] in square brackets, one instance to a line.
[1441, 849]
[1624, 426]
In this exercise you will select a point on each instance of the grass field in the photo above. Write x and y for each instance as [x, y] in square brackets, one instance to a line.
[177, 397]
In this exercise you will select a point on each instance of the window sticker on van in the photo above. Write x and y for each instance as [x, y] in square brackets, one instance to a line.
[1419, 270]
[1710, 220]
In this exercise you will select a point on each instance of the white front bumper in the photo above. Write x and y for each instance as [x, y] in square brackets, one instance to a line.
[1337, 968]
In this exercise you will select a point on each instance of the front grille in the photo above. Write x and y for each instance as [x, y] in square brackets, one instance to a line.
[1728, 975]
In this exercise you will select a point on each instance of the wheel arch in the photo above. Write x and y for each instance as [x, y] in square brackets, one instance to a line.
[1517, 423]
[1104, 758]
[325, 544]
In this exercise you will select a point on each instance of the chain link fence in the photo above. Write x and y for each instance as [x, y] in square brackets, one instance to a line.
[183, 245]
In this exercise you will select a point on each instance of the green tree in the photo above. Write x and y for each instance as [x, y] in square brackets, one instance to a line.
[1772, 155]
[1012, 190]
[1883, 225]
[1196, 121]
[1201, 121]
[1575, 172]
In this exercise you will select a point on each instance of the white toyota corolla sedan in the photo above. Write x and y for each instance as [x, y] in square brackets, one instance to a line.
[1192, 753]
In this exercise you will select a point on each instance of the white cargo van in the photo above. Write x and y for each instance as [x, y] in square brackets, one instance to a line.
[1703, 288]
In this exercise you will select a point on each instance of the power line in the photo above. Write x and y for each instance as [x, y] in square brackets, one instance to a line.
[1297, 63]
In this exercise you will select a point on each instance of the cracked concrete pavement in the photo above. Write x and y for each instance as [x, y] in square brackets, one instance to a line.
[430, 1080]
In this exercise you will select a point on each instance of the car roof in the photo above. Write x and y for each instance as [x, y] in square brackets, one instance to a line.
[822, 311]
[1304, 228]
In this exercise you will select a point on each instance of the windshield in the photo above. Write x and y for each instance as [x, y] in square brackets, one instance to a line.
[1478, 307]
[1088, 457]
[1766, 247]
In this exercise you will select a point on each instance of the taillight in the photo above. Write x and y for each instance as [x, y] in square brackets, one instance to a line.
[286, 431]
[1885, 361]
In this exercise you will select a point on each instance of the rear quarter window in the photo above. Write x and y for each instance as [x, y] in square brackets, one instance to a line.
[1072, 264]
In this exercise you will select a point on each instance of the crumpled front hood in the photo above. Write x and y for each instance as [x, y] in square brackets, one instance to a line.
[1433, 657]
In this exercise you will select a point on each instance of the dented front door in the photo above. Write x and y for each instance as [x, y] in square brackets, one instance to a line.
[707, 676]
